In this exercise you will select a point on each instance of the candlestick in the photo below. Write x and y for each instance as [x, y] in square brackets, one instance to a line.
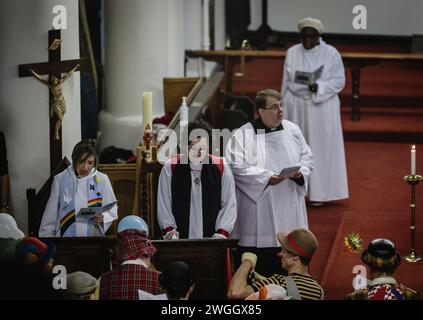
[147, 110]
[413, 180]
[413, 160]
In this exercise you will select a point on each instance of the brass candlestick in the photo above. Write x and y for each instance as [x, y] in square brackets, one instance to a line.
[413, 180]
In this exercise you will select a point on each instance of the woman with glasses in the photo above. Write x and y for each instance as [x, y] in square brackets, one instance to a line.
[313, 76]
[267, 200]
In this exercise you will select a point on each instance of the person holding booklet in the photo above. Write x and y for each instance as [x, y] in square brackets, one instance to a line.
[74, 191]
[271, 163]
[313, 75]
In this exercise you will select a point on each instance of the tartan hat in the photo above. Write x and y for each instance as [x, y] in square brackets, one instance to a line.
[32, 252]
[134, 244]
[381, 254]
[301, 242]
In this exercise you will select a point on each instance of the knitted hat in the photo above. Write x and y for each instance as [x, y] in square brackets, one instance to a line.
[80, 283]
[33, 252]
[311, 23]
[381, 254]
[301, 242]
[133, 244]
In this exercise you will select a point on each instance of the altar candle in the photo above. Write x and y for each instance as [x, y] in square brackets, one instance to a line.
[413, 160]
[147, 110]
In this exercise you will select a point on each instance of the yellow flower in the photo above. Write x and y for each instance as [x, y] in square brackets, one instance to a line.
[353, 242]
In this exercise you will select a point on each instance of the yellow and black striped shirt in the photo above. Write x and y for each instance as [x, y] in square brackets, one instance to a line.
[308, 287]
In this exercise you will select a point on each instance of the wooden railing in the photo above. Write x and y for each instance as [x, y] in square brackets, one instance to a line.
[355, 61]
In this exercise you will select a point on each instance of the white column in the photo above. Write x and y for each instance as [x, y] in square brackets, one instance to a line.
[24, 102]
[144, 43]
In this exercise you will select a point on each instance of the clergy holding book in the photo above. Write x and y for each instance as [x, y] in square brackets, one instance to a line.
[196, 195]
[313, 75]
[268, 202]
[80, 186]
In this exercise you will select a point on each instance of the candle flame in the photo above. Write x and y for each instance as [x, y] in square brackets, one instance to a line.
[413, 147]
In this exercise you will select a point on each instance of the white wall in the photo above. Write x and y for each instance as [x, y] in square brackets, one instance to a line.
[24, 102]
[384, 17]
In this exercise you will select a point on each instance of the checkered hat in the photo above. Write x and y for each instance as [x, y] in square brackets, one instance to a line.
[381, 254]
[133, 244]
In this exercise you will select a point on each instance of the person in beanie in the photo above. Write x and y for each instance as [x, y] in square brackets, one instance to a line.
[177, 281]
[297, 250]
[133, 272]
[383, 259]
[32, 253]
[80, 286]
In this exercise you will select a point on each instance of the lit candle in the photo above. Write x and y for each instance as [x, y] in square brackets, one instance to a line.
[413, 160]
[147, 110]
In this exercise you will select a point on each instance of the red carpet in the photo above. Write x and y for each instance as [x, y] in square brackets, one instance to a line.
[378, 207]
[338, 276]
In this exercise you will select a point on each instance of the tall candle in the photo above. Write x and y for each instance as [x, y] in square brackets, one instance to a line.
[413, 160]
[147, 110]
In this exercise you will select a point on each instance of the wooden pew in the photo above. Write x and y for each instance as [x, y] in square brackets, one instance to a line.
[206, 258]
[355, 61]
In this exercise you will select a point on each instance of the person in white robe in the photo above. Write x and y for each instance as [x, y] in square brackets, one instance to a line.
[196, 194]
[313, 75]
[267, 202]
[79, 186]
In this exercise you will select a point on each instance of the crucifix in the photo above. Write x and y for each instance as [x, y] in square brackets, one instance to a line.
[54, 68]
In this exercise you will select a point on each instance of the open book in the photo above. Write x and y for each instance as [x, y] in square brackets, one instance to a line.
[143, 295]
[289, 172]
[308, 78]
[91, 211]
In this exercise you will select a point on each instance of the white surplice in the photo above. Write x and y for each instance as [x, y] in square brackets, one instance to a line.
[226, 216]
[79, 191]
[318, 116]
[265, 210]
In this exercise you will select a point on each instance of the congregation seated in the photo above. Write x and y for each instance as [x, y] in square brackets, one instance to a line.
[382, 259]
[297, 250]
[134, 271]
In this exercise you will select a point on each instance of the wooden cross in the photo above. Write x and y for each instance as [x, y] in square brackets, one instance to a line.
[53, 68]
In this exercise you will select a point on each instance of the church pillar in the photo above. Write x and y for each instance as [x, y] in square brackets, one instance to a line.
[144, 42]
[24, 102]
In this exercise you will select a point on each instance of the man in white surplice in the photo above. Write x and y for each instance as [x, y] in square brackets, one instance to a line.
[267, 202]
[196, 196]
[313, 76]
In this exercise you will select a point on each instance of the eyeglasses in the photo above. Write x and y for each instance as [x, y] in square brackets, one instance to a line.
[276, 107]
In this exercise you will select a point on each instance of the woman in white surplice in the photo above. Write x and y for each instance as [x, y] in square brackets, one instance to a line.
[313, 76]
[267, 202]
[79, 186]
[196, 194]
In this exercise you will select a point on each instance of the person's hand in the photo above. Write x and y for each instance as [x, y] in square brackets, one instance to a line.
[98, 218]
[171, 235]
[275, 180]
[313, 87]
[297, 175]
[250, 257]
[218, 236]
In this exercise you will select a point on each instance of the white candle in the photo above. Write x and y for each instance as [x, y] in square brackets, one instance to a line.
[413, 160]
[147, 110]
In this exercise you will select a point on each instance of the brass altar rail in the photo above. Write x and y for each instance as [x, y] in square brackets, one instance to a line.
[355, 61]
